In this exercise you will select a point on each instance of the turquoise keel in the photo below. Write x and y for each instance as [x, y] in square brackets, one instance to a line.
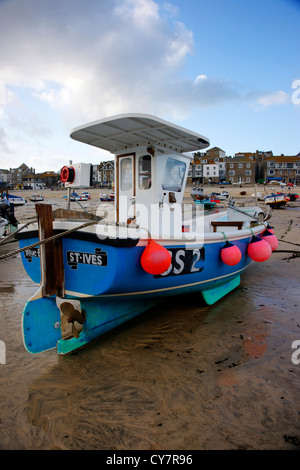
[211, 296]
[42, 323]
[101, 317]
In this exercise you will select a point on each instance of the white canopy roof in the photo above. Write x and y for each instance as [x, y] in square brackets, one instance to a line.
[123, 131]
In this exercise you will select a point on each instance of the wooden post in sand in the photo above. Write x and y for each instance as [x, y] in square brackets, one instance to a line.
[51, 256]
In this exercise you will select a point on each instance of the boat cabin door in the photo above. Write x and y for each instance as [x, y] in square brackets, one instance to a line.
[125, 201]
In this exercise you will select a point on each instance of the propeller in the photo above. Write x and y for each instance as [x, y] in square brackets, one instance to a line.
[69, 315]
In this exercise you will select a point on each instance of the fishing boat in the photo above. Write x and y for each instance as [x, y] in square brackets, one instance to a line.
[293, 196]
[94, 273]
[208, 203]
[259, 196]
[275, 201]
[16, 200]
[198, 191]
[105, 197]
[36, 198]
[76, 197]
[223, 196]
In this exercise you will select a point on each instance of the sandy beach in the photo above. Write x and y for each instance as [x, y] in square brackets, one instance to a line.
[183, 376]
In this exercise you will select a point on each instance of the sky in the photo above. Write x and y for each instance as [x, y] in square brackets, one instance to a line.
[226, 69]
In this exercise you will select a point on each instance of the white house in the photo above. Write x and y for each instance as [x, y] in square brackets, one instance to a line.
[211, 171]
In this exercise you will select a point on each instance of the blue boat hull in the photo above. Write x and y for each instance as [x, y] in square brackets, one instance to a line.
[112, 287]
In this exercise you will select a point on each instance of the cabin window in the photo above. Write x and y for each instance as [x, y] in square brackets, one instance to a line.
[126, 174]
[174, 175]
[145, 172]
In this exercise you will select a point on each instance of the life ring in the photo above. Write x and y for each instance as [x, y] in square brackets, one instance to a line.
[67, 174]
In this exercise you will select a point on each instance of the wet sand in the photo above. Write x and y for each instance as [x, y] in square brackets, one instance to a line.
[183, 376]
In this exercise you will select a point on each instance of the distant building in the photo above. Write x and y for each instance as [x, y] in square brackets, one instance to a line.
[215, 153]
[3, 177]
[211, 172]
[241, 169]
[209, 166]
[15, 176]
[37, 181]
[95, 174]
[281, 168]
[106, 173]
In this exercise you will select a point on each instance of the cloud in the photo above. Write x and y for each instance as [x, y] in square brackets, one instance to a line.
[87, 60]
[3, 143]
[96, 58]
[274, 98]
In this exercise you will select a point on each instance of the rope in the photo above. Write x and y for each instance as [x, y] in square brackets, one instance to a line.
[47, 240]
[226, 239]
[291, 243]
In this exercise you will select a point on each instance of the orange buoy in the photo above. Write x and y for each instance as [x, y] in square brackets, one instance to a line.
[156, 259]
[231, 254]
[258, 249]
[270, 238]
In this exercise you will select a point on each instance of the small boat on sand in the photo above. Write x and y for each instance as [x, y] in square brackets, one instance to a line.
[293, 196]
[16, 200]
[102, 272]
[36, 198]
[75, 197]
[106, 197]
[207, 203]
[275, 201]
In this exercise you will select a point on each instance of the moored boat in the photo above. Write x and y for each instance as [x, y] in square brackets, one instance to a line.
[276, 200]
[16, 200]
[106, 197]
[99, 273]
[208, 203]
[36, 198]
[223, 196]
[293, 196]
[75, 197]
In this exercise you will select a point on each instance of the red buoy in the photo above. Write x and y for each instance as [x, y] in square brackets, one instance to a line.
[231, 254]
[270, 238]
[155, 259]
[258, 249]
